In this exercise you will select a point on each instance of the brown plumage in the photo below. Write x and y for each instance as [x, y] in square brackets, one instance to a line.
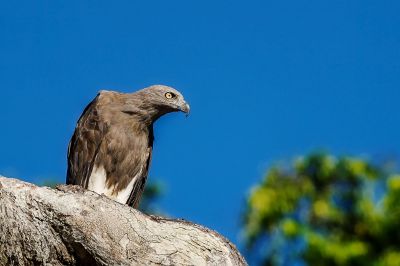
[110, 150]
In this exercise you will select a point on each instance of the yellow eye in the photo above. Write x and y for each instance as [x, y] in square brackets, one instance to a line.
[169, 95]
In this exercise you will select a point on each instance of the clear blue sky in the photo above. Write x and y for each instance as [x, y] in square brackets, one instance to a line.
[266, 80]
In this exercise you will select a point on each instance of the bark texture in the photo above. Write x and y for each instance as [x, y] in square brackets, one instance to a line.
[73, 226]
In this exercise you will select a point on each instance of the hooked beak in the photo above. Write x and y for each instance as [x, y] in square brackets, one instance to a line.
[185, 108]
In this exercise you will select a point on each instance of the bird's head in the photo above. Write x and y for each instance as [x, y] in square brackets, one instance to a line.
[152, 102]
[165, 98]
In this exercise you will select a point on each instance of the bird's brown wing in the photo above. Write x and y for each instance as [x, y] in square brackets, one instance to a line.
[84, 145]
[138, 187]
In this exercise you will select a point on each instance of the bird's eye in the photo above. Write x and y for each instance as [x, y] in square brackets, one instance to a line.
[169, 95]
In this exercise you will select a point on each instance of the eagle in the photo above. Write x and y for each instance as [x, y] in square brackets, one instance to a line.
[110, 150]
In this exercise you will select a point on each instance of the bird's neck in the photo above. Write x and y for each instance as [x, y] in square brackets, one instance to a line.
[146, 115]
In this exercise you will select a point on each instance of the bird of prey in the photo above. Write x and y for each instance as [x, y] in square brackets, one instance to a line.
[110, 150]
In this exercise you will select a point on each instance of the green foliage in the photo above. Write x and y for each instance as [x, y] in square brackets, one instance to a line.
[339, 211]
[151, 194]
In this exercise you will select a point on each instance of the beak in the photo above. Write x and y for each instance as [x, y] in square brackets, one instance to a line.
[185, 108]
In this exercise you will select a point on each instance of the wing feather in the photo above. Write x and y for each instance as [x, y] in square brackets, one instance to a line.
[84, 145]
[138, 187]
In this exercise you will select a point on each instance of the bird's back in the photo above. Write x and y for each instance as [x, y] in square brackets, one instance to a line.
[110, 153]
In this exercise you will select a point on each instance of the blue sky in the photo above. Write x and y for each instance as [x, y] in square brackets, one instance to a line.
[266, 80]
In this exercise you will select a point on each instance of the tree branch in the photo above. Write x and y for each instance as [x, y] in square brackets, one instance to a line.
[73, 226]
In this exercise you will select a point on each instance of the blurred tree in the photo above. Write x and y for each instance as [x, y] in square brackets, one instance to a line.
[325, 211]
[152, 192]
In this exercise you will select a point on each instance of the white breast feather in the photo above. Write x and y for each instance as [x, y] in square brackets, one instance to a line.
[97, 183]
[97, 180]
